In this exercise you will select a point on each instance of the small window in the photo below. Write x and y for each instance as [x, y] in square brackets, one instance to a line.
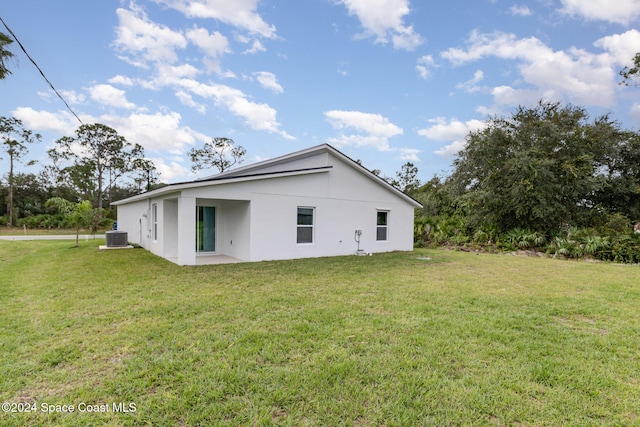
[154, 220]
[382, 225]
[305, 225]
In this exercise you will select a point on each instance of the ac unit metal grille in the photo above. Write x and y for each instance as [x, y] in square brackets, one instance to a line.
[116, 238]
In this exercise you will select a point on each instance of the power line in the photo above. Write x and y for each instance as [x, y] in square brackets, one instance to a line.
[38, 68]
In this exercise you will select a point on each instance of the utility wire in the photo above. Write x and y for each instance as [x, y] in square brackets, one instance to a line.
[38, 68]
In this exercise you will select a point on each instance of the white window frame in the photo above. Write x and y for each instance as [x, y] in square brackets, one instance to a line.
[382, 226]
[154, 222]
[311, 226]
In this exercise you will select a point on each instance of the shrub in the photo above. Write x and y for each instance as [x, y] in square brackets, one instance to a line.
[459, 239]
[567, 248]
[596, 245]
[481, 237]
[441, 230]
[47, 221]
[421, 230]
[517, 238]
[520, 238]
[626, 249]
[616, 224]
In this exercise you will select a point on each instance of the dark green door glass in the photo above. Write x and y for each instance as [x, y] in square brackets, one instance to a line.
[206, 229]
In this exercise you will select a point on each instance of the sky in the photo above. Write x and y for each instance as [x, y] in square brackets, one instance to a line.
[384, 81]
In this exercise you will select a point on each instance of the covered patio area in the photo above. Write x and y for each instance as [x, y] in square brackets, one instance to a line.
[203, 231]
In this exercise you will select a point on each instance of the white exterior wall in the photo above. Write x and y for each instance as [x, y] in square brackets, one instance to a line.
[256, 219]
[134, 219]
[340, 209]
[168, 233]
[235, 229]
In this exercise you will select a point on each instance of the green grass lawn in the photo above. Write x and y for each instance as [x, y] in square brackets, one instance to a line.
[19, 231]
[392, 339]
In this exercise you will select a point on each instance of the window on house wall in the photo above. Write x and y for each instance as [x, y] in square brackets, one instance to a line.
[382, 225]
[305, 224]
[154, 221]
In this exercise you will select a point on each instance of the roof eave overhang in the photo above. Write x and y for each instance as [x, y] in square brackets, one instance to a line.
[173, 188]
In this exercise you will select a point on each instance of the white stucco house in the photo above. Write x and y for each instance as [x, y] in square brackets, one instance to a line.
[305, 204]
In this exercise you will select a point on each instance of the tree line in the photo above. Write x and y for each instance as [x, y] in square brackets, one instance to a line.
[547, 178]
[96, 165]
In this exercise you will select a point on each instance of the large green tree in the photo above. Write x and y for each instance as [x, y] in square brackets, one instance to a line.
[220, 154]
[5, 54]
[99, 155]
[14, 139]
[621, 192]
[542, 168]
[406, 179]
[147, 175]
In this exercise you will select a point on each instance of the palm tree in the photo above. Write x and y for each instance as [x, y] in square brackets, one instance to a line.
[5, 41]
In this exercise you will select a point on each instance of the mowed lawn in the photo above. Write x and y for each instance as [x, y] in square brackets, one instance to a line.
[127, 338]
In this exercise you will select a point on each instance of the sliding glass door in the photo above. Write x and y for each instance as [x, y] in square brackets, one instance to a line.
[205, 229]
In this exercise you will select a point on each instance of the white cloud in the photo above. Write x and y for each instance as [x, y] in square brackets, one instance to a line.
[167, 75]
[506, 95]
[268, 81]
[443, 130]
[451, 150]
[622, 47]
[146, 41]
[71, 96]
[111, 96]
[186, 99]
[169, 171]
[409, 155]
[406, 38]
[121, 80]
[213, 45]
[453, 131]
[425, 63]
[149, 44]
[384, 20]
[373, 130]
[619, 11]
[256, 47]
[520, 10]
[580, 76]
[157, 133]
[471, 85]
[61, 122]
[257, 116]
[498, 44]
[239, 13]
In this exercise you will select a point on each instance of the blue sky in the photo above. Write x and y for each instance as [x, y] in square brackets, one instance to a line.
[384, 81]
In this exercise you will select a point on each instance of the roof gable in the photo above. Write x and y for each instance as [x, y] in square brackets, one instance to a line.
[311, 160]
[304, 159]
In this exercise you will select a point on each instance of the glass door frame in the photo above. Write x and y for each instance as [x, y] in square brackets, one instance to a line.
[206, 229]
